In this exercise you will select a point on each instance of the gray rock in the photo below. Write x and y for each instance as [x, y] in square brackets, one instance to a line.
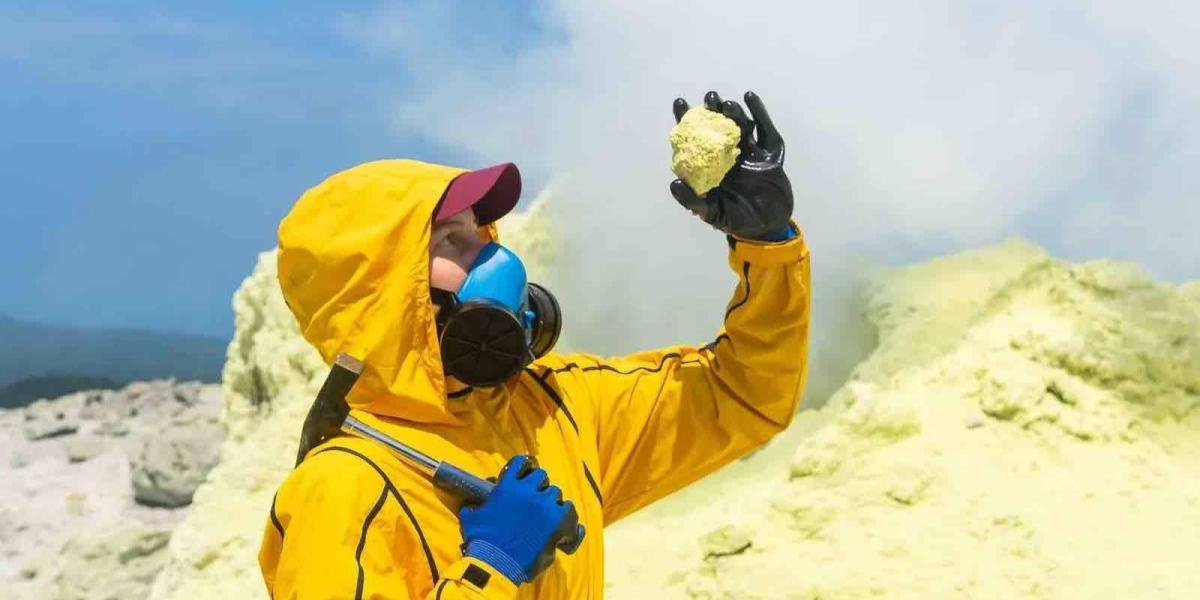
[30, 569]
[46, 419]
[172, 428]
[169, 466]
[161, 398]
[95, 404]
[119, 564]
[114, 428]
[85, 447]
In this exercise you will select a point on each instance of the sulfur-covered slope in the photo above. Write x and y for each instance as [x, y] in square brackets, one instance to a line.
[1026, 428]
[270, 378]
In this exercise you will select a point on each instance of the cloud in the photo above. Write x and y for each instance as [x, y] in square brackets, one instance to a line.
[912, 128]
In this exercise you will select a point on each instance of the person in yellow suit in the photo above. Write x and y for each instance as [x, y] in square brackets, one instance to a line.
[397, 263]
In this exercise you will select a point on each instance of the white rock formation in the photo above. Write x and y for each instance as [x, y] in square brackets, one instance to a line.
[70, 526]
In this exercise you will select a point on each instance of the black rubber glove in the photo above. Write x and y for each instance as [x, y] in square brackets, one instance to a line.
[754, 200]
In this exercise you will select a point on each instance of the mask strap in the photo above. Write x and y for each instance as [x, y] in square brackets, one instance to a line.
[447, 303]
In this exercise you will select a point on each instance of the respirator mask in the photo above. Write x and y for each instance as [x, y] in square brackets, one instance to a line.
[497, 323]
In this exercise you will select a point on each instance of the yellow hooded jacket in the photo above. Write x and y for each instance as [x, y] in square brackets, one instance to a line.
[353, 521]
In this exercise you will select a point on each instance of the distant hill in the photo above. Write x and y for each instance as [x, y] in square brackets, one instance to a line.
[48, 357]
[24, 391]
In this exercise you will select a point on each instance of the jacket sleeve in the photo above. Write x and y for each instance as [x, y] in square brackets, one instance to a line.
[337, 531]
[665, 418]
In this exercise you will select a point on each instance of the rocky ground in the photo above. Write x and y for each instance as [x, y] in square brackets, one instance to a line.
[93, 483]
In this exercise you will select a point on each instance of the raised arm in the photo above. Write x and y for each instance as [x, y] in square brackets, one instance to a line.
[667, 417]
[664, 418]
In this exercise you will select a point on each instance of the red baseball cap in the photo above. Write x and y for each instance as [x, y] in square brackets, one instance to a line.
[492, 192]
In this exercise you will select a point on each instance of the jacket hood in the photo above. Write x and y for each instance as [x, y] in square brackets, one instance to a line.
[354, 270]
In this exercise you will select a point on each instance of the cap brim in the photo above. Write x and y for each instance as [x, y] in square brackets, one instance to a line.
[492, 192]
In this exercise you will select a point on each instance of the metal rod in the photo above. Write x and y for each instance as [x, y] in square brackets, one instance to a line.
[411, 455]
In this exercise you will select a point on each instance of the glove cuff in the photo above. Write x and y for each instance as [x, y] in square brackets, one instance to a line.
[783, 234]
[767, 253]
[498, 559]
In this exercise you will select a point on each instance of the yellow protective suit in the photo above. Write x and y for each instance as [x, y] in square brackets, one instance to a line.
[352, 521]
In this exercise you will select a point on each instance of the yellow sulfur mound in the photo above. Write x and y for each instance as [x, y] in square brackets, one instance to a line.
[1027, 428]
[706, 146]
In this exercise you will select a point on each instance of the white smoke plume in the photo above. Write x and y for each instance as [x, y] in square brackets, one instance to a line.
[913, 129]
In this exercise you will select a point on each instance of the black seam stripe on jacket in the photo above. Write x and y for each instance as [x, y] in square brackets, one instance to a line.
[362, 540]
[587, 473]
[404, 505]
[713, 344]
[441, 588]
[554, 396]
[460, 393]
[662, 362]
[746, 276]
[592, 482]
[275, 518]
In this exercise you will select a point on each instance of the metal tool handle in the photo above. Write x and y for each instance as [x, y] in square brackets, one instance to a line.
[407, 453]
[470, 488]
[474, 490]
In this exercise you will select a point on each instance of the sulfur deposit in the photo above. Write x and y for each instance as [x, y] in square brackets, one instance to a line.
[1026, 428]
[705, 145]
[270, 378]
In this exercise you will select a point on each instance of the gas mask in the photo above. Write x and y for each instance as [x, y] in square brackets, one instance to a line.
[497, 323]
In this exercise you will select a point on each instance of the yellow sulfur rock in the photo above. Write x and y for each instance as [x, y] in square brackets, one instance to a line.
[706, 146]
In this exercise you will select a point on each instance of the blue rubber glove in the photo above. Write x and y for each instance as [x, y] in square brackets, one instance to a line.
[518, 527]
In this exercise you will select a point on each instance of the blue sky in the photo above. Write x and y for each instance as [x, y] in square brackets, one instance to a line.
[149, 150]
[148, 153]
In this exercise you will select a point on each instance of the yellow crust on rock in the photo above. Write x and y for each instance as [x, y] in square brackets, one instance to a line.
[705, 145]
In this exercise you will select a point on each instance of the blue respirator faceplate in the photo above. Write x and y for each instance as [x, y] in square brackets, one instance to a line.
[498, 276]
[498, 322]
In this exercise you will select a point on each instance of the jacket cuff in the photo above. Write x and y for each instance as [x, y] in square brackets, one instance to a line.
[490, 554]
[768, 253]
[480, 577]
